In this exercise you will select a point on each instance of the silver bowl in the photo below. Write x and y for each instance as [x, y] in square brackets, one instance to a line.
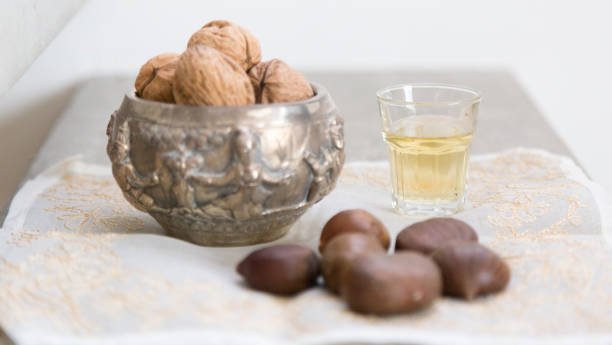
[226, 176]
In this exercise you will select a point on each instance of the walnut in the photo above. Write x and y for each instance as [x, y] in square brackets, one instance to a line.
[155, 78]
[204, 76]
[275, 82]
[230, 39]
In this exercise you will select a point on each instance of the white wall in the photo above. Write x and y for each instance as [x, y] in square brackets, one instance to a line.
[27, 26]
[560, 51]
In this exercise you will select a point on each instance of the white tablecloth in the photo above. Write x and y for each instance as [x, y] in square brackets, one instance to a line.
[78, 264]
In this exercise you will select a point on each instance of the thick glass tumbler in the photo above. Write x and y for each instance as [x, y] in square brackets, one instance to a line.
[428, 129]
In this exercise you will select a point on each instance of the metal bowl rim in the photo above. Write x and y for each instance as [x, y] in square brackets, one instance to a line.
[271, 115]
[320, 92]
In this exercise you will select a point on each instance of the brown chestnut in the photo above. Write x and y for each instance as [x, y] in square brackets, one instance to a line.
[341, 251]
[431, 234]
[281, 269]
[470, 269]
[356, 220]
[389, 284]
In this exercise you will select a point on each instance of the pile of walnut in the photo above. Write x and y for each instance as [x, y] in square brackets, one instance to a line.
[433, 257]
[221, 66]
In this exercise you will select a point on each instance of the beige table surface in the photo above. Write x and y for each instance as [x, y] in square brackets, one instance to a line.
[508, 117]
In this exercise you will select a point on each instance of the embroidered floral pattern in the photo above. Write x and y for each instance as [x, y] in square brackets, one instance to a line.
[95, 270]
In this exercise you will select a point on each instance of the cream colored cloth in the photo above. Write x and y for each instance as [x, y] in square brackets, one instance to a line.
[78, 264]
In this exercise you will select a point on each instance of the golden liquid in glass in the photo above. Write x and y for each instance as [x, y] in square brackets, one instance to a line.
[429, 158]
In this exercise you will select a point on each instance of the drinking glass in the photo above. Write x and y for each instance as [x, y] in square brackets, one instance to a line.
[428, 129]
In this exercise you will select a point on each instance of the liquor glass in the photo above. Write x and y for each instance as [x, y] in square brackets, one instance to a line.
[428, 129]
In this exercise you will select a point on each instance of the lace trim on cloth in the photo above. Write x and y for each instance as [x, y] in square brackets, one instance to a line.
[78, 264]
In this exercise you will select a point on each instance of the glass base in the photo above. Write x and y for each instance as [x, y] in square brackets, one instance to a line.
[426, 208]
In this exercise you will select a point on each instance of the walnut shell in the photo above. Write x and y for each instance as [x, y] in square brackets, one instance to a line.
[470, 269]
[281, 269]
[431, 234]
[390, 284]
[156, 77]
[341, 251]
[276, 82]
[204, 76]
[231, 39]
[356, 220]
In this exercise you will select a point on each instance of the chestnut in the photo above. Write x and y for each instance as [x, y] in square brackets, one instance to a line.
[281, 269]
[341, 251]
[356, 220]
[470, 269]
[390, 284]
[429, 235]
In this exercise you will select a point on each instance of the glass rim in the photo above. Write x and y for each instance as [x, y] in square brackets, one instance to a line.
[476, 95]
